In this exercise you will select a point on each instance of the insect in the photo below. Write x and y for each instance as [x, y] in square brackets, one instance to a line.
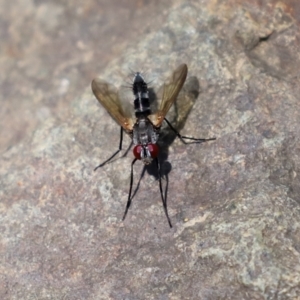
[145, 127]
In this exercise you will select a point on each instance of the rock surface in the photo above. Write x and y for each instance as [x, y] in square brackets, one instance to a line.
[234, 202]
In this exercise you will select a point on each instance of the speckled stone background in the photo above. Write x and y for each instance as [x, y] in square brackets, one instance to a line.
[234, 202]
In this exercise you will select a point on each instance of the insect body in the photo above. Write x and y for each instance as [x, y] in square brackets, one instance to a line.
[144, 134]
[144, 129]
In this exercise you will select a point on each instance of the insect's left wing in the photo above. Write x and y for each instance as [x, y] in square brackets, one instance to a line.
[108, 96]
[171, 90]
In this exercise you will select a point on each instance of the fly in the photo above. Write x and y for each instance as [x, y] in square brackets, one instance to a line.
[145, 127]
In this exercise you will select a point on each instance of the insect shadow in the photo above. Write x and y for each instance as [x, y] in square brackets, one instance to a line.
[177, 116]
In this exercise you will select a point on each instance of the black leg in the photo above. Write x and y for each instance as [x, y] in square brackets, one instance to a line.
[164, 200]
[127, 150]
[182, 137]
[130, 190]
[120, 148]
[138, 185]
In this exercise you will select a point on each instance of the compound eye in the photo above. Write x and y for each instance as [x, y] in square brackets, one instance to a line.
[137, 151]
[153, 149]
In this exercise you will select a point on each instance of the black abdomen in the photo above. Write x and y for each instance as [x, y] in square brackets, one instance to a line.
[140, 91]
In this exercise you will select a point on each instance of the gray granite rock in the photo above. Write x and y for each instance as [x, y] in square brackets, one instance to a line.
[233, 202]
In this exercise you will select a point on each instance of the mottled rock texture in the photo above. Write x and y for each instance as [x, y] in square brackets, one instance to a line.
[234, 202]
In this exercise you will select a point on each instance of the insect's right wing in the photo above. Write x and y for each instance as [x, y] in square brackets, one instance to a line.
[108, 96]
[171, 90]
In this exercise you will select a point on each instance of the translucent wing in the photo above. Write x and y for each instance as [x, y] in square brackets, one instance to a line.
[107, 95]
[171, 90]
